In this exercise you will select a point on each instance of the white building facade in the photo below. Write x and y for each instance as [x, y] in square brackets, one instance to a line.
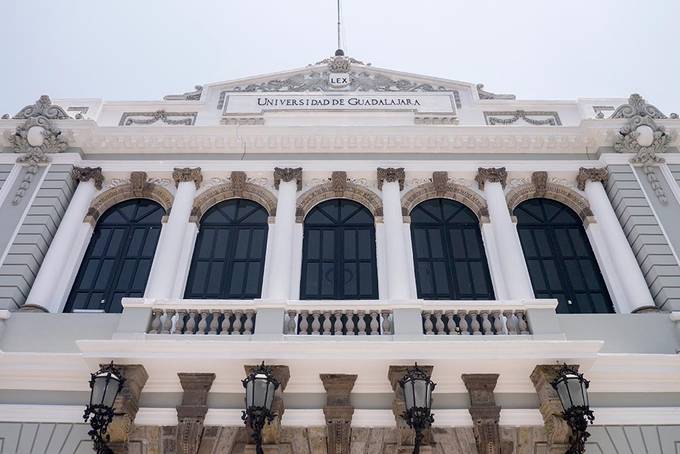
[340, 222]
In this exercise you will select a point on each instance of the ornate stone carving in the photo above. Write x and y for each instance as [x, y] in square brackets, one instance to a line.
[512, 117]
[127, 405]
[187, 174]
[444, 188]
[271, 432]
[556, 428]
[644, 137]
[491, 175]
[485, 413]
[338, 411]
[138, 183]
[227, 190]
[238, 182]
[483, 94]
[42, 108]
[405, 435]
[339, 182]
[540, 182]
[352, 191]
[191, 414]
[83, 174]
[440, 181]
[339, 64]
[391, 175]
[593, 174]
[553, 191]
[187, 96]
[288, 174]
[149, 118]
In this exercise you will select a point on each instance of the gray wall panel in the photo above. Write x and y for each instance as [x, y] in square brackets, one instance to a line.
[41, 438]
[633, 440]
[5, 169]
[29, 247]
[650, 245]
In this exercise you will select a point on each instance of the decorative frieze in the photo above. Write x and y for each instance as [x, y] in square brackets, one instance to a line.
[338, 411]
[83, 174]
[592, 174]
[191, 413]
[149, 118]
[43, 108]
[485, 413]
[288, 174]
[529, 117]
[391, 175]
[184, 174]
[491, 175]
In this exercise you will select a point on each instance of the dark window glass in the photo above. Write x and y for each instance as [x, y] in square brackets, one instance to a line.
[338, 252]
[448, 252]
[560, 260]
[228, 260]
[118, 259]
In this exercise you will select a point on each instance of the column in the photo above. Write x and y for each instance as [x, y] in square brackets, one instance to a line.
[53, 273]
[288, 181]
[391, 182]
[627, 268]
[515, 274]
[169, 251]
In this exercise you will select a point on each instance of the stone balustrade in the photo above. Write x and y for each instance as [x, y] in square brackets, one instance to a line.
[454, 322]
[339, 322]
[204, 321]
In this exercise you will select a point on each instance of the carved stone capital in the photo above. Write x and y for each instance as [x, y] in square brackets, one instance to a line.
[127, 402]
[187, 174]
[593, 174]
[540, 182]
[338, 411]
[288, 174]
[191, 413]
[138, 183]
[83, 174]
[484, 411]
[271, 432]
[238, 182]
[556, 429]
[339, 183]
[491, 175]
[391, 175]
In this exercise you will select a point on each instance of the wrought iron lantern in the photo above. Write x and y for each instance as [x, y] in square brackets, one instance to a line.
[105, 384]
[572, 389]
[260, 387]
[417, 388]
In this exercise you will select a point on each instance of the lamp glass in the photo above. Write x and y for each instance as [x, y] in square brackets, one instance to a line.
[105, 387]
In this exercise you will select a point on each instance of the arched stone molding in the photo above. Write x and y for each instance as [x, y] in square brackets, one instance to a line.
[335, 190]
[138, 188]
[237, 188]
[451, 191]
[539, 188]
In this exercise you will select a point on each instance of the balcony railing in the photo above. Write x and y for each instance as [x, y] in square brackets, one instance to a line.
[327, 319]
[457, 322]
[201, 319]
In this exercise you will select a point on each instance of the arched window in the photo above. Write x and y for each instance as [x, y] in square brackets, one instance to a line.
[118, 259]
[338, 253]
[228, 260]
[559, 257]
[448, 252]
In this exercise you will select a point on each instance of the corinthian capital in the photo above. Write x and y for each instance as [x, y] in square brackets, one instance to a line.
[286, 175]
[391, 175]
[594, 174]
[491, 175]
[83, 174]
[187, 174]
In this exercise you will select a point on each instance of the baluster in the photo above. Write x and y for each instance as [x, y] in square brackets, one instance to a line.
[236, 327]
[316, 324]
[463, 324]
[386, 322]
[292, 322]
[326, 324]
[511, 322]
[179, 324]
[523, 327]
[438, 323]
[349, 324]
[486, 324]
[191, 323]
[450, 323]
[475, 324]
[304, 324]
[361, 323]
[215, 322]
[374, 324]
[250, 323]
[337, 326]
[226, 323]
[167, 323]
[156, 321]
[427, 323]
[498, 322]
[203, 324]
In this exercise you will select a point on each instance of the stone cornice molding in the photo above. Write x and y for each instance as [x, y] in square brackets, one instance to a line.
[441, 187]
[237, 188]
[591, 174]
[327, 191]
[287, 175]
[83, 174]
[137, 188]
[391, 175]
[551, 191]
[185, 174]
[491, 175]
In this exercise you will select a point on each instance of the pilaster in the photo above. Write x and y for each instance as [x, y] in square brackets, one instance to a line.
[271, 432]
[406, 435]
[191, 413]
[126, 406]
[556, 429]
[338, 411]
[485, 413]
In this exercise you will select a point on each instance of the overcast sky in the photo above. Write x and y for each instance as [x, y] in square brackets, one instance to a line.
[144, 49]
